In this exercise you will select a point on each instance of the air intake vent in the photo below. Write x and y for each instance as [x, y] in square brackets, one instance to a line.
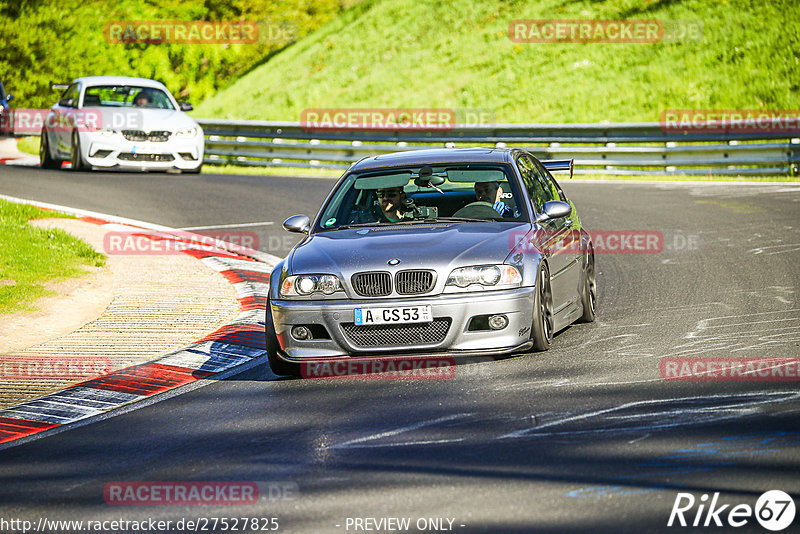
[397, 335]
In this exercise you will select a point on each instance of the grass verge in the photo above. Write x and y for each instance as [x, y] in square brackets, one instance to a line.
[31, 256]
[458, 55]
[29, 145]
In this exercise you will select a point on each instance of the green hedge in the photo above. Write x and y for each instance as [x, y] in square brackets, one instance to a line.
[48, 41]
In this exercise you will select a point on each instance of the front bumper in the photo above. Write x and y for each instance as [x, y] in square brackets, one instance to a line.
[459, 309]
[117, 152]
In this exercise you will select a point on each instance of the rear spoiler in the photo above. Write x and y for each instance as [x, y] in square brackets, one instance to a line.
[59, 86]
[559, 165]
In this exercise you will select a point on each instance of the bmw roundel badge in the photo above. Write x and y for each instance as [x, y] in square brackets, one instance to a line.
[393, 261]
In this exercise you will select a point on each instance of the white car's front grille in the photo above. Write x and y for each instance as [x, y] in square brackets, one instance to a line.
[156, 136]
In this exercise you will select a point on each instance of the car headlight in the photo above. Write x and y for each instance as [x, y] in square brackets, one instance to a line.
[304, 285]
[485, 276]
[186, 132]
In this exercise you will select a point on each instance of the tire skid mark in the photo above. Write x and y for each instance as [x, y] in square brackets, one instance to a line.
[657, 414]
[775, 329]
[701, 457]
[359, 442]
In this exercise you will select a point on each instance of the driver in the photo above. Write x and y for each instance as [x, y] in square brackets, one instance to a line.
[142, 99]
[390, 201]
[491, 192]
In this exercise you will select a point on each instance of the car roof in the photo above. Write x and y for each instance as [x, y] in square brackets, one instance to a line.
[435, 156]
[119, 80]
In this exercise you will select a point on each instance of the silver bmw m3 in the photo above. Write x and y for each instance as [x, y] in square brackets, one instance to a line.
[433, 252]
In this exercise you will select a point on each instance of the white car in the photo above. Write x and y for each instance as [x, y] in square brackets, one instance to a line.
[120, 122]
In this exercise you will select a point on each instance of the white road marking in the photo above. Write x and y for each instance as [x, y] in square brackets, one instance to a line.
[217, 226]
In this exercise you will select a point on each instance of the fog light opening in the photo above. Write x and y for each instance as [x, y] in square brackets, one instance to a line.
[498, 322]
[301, 333]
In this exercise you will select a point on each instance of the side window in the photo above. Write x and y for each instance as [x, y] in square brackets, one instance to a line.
[70, 97]
[555, 190]
[534, 182]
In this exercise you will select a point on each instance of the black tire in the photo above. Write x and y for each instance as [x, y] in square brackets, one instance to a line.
[45, 160]
[589, 294]
[193, 171]
[279, 366]
[542, 327]
[77, 159]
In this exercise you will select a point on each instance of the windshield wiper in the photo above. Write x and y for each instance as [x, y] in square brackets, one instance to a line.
[430, 220]
[408, 221]
[357, 225]
[456, 219]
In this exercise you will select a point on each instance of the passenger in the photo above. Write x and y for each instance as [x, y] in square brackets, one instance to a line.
[391, 201]
[491, 192]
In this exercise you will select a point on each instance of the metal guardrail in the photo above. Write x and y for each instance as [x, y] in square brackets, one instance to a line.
[614, 149]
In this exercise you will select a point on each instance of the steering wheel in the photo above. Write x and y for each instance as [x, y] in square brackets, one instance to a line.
[478, 210]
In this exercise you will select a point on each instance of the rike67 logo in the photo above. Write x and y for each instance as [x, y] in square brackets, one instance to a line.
[774, 510]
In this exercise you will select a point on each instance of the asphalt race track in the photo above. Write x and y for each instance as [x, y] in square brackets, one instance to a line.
[585, 437]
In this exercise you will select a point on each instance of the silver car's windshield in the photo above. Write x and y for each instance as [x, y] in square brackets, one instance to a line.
[423, 194]
[126, 96]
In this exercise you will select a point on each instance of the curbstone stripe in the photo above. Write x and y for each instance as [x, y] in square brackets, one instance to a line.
[228, 347]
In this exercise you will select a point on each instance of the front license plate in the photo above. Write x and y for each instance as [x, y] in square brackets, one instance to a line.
[394, 315]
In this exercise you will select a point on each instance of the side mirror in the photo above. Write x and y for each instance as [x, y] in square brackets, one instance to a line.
[555, 209]
[299, 224]
[9, 97]
[66, 102]
[185, 106]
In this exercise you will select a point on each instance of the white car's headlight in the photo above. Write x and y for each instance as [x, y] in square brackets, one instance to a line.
[485, 276]
[186, 132]
[304, 285]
